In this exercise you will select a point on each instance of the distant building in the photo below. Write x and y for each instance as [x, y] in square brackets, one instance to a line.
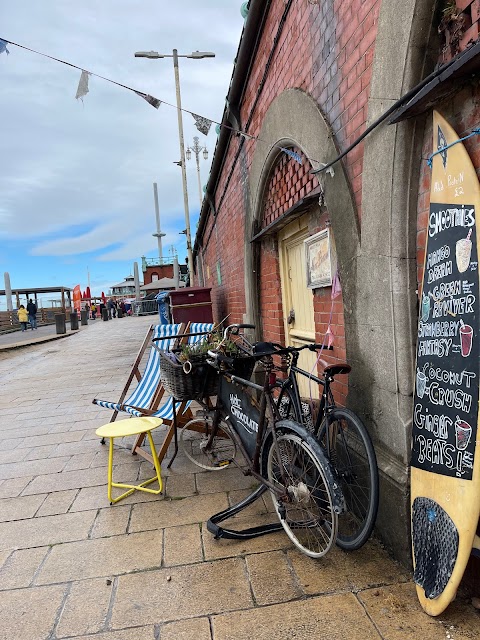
[155, 269]
[163, 284]
[157, 276]
[125, 288]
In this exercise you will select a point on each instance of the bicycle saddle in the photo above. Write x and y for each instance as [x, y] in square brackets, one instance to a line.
[264, 349]
[335, 369]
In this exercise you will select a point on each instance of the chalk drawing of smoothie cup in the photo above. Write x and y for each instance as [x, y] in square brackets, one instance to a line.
[466, 336]
[463, 251]
[421, 382]
[425, 307]
[463, 433]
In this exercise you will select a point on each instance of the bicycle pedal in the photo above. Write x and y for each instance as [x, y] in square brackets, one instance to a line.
[224, 463]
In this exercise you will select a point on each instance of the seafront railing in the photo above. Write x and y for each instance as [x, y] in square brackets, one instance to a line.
[9, 319]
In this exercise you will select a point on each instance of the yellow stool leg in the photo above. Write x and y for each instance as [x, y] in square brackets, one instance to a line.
[110, 470]
[131, 487]
[111, 484]
[156, 462]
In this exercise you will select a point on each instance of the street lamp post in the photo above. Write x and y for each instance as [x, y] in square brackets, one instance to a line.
[197, 150]
[196, 55]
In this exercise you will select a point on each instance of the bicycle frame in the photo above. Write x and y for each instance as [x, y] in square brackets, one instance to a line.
[249, 421]
[327, 402]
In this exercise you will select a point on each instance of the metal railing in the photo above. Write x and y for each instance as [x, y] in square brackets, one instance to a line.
[156, 262]
[144, 307]
[9, 319]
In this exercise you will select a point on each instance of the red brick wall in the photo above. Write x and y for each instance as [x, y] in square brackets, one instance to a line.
[270, 293]
[326, 50]
[459, 28]
[164, 271]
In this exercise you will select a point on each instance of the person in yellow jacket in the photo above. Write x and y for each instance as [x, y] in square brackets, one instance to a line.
[22, 314]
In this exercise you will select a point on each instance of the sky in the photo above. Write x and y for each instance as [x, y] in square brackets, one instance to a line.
[76, 179]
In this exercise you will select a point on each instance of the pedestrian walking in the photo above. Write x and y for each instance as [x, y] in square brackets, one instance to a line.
[22, 314]
[93, 309]
[110, 308]
[32, 314]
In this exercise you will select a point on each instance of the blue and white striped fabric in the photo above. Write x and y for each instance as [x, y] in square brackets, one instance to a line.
[151, 378]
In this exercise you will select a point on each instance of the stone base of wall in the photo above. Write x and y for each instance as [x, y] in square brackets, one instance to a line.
[393, 521]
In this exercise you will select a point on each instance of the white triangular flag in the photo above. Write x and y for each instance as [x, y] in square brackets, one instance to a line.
[202, 124]
[82, 88]
[3, 47]
[155, 102]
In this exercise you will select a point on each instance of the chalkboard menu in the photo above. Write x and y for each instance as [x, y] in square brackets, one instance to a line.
[446, 394]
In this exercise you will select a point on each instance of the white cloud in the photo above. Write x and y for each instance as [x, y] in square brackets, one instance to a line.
[93, 164]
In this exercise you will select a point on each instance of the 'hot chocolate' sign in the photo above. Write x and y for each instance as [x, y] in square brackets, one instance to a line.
[447, 373]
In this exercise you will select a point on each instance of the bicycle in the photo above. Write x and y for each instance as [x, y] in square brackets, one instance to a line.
[279, 453]
[345, 441]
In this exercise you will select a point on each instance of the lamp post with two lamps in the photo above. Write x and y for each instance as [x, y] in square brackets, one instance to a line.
[195, 55]
[197, 150]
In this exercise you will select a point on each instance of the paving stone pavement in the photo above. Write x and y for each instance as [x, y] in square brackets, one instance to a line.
[72, 566]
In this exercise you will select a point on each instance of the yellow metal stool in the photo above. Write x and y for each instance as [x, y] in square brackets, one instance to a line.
[131, 427]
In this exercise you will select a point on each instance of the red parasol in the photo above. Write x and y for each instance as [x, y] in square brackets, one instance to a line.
[104, 298]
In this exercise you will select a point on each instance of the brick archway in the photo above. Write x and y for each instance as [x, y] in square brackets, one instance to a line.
[294, 121]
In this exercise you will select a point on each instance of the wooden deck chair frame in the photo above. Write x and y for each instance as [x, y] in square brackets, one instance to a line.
[136, 373]
[181, 414]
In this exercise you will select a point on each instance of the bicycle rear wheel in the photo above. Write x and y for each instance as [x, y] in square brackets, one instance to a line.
[194, 441]
[306, 512]
[353, 459]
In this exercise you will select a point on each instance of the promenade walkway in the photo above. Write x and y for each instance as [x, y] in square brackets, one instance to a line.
[72, 566]
[44, 333]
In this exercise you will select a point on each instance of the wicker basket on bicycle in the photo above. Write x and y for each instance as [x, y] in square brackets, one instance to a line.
[199, 382]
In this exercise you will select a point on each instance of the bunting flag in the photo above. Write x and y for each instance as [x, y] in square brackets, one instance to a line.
[331, 336]
[202, 124]
[155, 102]
[297, 157]
[82, 88]
[336, 286]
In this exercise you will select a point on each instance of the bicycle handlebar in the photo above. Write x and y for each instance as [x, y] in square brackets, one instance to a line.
[216, 358]
[234, 329]
[310, 347]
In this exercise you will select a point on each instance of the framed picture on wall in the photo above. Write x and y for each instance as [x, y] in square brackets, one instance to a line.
[319, 260]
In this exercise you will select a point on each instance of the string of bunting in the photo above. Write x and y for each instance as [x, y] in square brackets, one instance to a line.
[202, 123]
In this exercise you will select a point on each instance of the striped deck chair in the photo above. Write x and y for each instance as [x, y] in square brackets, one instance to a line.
[148, 397]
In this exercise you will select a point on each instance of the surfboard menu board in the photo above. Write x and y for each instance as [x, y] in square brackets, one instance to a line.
[446, 395]
[445, 471]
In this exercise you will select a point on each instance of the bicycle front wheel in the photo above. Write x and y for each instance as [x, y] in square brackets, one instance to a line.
[353, 459]
[207, 452]
[305, 510]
